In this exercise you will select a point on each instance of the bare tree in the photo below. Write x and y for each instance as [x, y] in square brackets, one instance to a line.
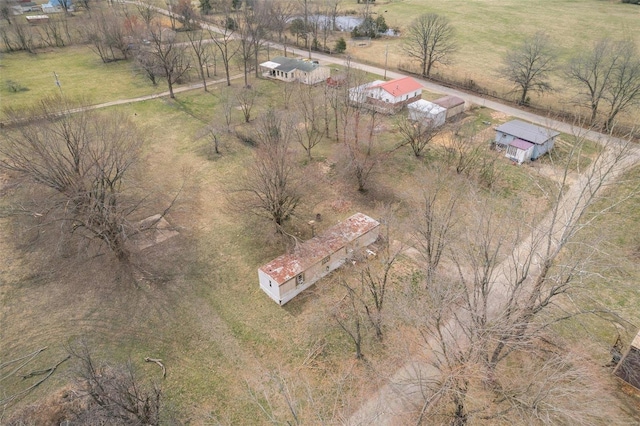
[361, 161]
[591, 70]
[246, 98]
[271, 187]
[463, 150]
[349, 316]
[437, 220]
[54, 32]
[309, 131]
[278, 16]
[115, 393]
[246, 46]
[24, 37]
[202, 53]
[224, 42]
[624, 91]
[84, 158]
[416, 134]
[376, 278]
[106, 34]
[430, 41]
[167, 55]
[6, 10]
[529, 65]
[186, 15]
[147, 12]
[226, 102]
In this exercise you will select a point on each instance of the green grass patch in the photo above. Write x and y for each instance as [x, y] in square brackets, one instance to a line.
[80, 72]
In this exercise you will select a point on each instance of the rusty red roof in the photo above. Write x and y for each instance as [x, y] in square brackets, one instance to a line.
[287, 266]
[400, 86]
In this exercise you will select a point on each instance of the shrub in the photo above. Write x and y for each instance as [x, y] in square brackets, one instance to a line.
[14, 86]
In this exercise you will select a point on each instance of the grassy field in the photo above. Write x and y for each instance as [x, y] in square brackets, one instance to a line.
[226, 345]
[80, 72]
[220, 337]
[486, 29]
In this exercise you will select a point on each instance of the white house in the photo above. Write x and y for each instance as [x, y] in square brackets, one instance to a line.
[524, 141]
[386, 96]
[453, 104]
[291, 69]
[286, 276]
[427, 112]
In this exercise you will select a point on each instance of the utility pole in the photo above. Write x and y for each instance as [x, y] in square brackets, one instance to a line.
[386, 53]
[57, 82]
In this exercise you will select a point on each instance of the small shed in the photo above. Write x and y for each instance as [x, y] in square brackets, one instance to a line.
[427, 112]
[511, 134]
[628, 369]
[288, 275]
[453, 104]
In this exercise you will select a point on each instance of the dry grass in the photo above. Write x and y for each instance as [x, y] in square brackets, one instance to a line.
[203, 313]
[486, 29]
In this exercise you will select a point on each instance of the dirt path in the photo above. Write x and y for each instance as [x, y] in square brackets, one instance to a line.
[402, 394]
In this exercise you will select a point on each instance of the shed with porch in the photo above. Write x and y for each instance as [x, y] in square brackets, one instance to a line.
[537, 140]
[291, 69]
[288, 275]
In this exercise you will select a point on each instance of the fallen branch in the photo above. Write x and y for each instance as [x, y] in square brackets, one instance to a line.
[31, 356]
[48, 372]
[159, 362]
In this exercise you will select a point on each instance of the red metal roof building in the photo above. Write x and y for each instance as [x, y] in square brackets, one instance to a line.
[387, 96]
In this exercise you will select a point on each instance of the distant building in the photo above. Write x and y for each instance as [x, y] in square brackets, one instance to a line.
[291, 69]
[427, 112]
[288, 275]
[56, 6]
[452, 104]
[524, 141]
[387, 97]
[37, 19]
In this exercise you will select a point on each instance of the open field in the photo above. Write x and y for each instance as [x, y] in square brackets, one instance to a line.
[486, 29]
[80, 72]
[226, 345]
[220, 337]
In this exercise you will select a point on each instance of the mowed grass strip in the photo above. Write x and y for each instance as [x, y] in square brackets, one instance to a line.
[80, 72]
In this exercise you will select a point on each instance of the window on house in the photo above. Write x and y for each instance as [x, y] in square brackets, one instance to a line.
[300, 279]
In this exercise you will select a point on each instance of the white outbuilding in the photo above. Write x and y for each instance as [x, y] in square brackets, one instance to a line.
[288, 275]
[427, 112]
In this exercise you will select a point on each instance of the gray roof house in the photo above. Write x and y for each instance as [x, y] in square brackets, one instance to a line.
[291, 69]
[524, 141]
